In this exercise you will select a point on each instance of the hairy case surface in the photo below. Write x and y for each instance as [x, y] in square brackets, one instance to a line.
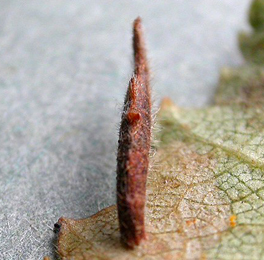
[133, 147]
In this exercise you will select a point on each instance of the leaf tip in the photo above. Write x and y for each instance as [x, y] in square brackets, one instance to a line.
[166, 103]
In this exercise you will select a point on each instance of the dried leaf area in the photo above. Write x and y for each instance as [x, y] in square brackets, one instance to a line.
[177, 225]
[231, 199]
[204, 201]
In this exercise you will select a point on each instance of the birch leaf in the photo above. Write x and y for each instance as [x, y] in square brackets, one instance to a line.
[205, 190]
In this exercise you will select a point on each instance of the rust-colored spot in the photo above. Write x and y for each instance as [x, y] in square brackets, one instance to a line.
[134, 147]
[232, 220]
[133, 116]
[190, 222]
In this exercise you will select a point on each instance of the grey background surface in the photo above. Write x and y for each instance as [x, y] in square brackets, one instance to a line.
[64, 69]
